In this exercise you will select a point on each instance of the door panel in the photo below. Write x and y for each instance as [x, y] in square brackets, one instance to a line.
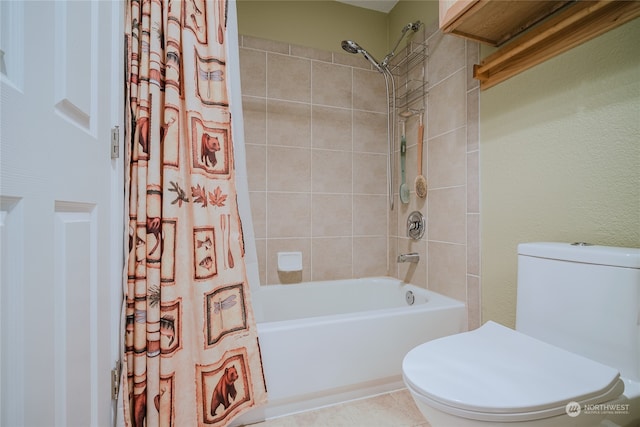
[76, 313]
[60, 211]
[75, 56]
[11, 311]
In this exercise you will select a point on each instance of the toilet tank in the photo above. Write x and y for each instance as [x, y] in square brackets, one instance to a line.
[583, 298]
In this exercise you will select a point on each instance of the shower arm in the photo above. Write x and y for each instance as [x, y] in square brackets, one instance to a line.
[414, 26]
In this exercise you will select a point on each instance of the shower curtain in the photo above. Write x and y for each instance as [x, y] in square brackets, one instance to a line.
[191, 352]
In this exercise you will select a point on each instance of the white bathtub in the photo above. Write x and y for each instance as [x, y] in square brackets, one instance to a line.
[326, 342]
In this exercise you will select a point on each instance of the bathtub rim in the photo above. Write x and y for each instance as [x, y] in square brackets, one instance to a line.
[436, 301]
[287, 405]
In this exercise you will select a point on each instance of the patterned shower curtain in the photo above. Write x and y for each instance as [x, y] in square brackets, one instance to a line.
[191, 352]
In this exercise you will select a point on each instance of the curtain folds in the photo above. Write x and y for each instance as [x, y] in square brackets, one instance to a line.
[191, 354]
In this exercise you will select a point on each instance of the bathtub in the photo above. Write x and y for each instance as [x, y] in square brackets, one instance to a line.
[327, 342]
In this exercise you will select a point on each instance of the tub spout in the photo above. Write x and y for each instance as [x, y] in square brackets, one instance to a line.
[411, 257]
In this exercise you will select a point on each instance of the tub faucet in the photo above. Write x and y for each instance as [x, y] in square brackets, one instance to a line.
[410, 257]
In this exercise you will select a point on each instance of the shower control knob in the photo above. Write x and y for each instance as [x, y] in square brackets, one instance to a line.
[416, 225]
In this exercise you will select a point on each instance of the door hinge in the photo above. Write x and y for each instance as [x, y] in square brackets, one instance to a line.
[115, 142]
[115, 381]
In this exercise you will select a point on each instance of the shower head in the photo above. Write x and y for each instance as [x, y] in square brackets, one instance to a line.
[353, 47]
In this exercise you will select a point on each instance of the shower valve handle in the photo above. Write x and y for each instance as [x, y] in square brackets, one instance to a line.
[416, 225]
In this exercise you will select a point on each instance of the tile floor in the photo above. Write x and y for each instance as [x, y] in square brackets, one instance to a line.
[394, 409]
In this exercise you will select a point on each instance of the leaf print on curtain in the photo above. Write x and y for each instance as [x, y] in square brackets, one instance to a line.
[191, 353]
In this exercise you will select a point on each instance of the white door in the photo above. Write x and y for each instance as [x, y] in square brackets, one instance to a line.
[60, 211]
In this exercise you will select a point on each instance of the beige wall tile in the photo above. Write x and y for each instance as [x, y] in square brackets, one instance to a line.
[331, 128]
[370, 173]
[447, 104]
[473, 182]
[288, 78]
[311, 53]
[332, 215]
[474, 312]
[265, 45]
[331, 171]
[288, 215]
[447, 215]
[254, 111]
[393, 256]
[369, 256]
[448, 55]
[370, 132]
[253, 76]
[447, 159]
[447, 265]
[331, 84]
[258, 200]
[288, 123]
[288, 169]
[473, 244]
[473, 120]
[351, 60]
[256, 166]
[332, 258]
[367, 217]
[369, 91]
[293, 190]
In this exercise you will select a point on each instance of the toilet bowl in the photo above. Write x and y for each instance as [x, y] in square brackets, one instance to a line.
[497, 375]
[573, 359]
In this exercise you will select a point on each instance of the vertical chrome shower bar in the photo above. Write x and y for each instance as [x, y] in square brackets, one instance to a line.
[391, 97]
[383, 67]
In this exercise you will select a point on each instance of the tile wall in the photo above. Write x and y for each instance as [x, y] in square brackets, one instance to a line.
[450, 250]
[315, 133]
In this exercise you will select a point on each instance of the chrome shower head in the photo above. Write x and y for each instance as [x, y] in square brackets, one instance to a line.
[353, 47]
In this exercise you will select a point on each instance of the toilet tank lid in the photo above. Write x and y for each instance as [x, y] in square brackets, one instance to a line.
[585, 253]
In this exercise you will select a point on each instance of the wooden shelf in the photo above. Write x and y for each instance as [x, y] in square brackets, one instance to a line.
[575, 24]
[494, 22]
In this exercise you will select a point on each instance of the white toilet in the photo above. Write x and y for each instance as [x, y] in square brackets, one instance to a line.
[573, 360]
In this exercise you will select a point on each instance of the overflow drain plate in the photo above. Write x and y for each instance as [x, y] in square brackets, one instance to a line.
[410, 298]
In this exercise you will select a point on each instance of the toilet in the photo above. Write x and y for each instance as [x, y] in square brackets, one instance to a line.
[573, 359]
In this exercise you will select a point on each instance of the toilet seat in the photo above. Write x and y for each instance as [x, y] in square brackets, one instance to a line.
[497, 374]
